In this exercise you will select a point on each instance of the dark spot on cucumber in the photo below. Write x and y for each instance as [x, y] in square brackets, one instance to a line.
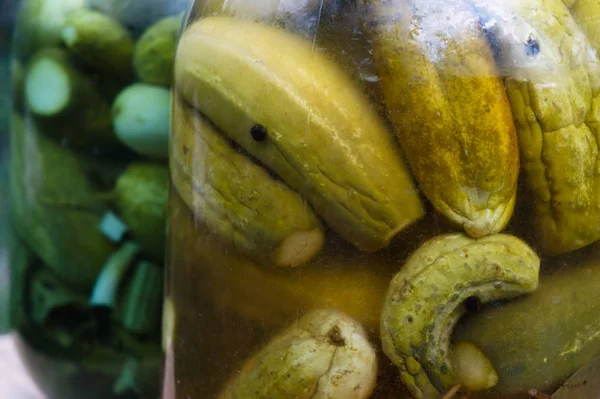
[258, 132]
[532, 47]
[472, 304]
[409, 319]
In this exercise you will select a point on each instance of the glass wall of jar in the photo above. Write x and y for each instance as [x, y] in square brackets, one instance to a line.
[383, 199]
[88, 192]
[7, 16]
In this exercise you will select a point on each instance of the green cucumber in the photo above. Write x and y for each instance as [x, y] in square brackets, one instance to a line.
[101, 42]
[54, 207]
[154, 53]
[537, 341]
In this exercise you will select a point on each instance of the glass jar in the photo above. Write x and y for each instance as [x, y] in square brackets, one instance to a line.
[384, 199]
[88, 192]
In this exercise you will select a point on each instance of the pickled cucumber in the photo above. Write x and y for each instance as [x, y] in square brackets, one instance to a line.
[324, 354]
[537, 341]
[66, 103]
[553, 85]
[236, 198]
[101, 42]
[291, 108]
[426, 299]
[39, 24]
[141, 119]
[449, 109]
[154, 52]
[587, 15]
[141, 194]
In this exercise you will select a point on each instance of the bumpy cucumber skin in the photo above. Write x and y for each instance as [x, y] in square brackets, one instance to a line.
[235, 197]
[553, 85]
[324, 354]
[323, 137]
[587, 15]
[425, 300]
[449, 109]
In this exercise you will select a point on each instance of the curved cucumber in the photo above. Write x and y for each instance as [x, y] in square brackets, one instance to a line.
[426, 299]
[320, 134]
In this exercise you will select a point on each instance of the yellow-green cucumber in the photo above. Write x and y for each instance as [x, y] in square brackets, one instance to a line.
[296, 112]
[324, 354]
[432, 291]
[449, 109]
[553, 84]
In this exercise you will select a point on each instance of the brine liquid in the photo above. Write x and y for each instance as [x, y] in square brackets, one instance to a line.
[226, 307]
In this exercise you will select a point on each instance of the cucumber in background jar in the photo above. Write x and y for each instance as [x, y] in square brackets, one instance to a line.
[88, 190]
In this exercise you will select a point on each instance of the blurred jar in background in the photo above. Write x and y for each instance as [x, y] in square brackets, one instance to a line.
[7, 16]
[88, 191]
